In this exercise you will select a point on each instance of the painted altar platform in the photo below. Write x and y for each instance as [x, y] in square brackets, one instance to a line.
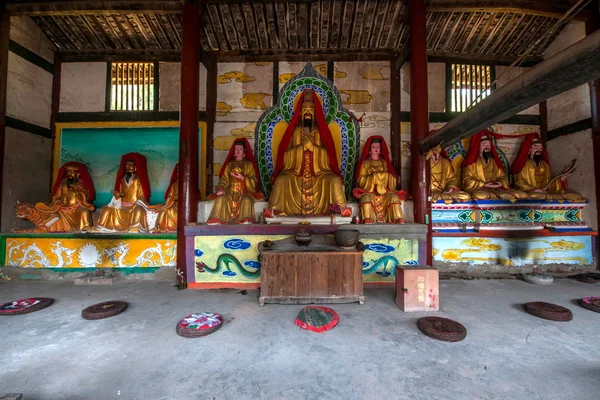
[512, 238]
[80, 252]
[227, 257]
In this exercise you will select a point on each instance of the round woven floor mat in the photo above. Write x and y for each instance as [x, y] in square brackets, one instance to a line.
[590, 303]
[25, 306]
[443, 329]
[549, 311]
[104, 310]
[590, 277]
[200, 324]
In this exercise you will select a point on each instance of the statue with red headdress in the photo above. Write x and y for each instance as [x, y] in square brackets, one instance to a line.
[483, 175]
[166, 221]
[238, 187]
[70, 207]
[307, 179]
[444, 184]
[376, 179]
[127, 211]
[532, 173]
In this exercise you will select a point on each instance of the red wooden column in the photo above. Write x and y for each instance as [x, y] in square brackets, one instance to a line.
[188, 131]
[419, 118]
[591, 26]
[4, 39]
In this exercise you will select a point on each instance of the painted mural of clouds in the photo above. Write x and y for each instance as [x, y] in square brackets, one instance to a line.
[198, 252]
[236, 244]
[252, 264]
[380, 248]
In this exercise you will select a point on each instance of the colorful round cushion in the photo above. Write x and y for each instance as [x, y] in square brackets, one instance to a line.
[201, 324]
[590, 303]
[317, 318]
[25, 306]
[443, 329]
[549, 311]
[104, 310]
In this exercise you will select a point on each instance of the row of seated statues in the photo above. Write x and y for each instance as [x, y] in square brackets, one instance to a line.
[306, 182]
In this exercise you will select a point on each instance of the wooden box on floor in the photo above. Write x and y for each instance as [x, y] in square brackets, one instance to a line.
[417, 288]
[304, 277]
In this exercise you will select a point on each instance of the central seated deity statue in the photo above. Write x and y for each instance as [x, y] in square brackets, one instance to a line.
[483, 175]
[307, 179]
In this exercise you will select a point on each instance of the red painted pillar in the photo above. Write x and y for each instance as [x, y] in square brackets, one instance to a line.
[419, 117]
[188, 131]
[591, 26]
[4, 39]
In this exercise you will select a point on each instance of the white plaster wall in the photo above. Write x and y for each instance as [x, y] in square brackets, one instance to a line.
[561, 152]
[436, 84]
[572, 105]
[26, 174]
[170, 86]
[26, 32]
[83, 87]
[28, 92]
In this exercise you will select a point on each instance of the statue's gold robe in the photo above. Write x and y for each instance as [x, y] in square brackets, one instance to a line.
[443, 179]
[166, 221]
[306, 185]
[378, 201]
[129, 216]
[236, 205]
[476, 175]
[534, 177]
[70, 206]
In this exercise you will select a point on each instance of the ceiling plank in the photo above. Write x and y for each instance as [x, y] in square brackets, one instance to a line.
[303, 17]
[292, 24]
[249, 23]
[280, 18]
[301, 55]
[261, 25]
[548, 8]
[87, 7]
[239, 26]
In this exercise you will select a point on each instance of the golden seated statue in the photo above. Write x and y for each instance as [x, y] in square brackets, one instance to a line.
[127, 210]
[483, 175]
[532, 174]
[307, 179]
[238, 187]
[444, 184]
[70, 208]
[166, 221]
[376, 179]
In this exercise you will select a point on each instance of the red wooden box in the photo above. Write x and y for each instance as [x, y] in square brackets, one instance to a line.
[417, 288]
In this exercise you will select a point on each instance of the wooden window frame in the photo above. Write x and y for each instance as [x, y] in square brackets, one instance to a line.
[448, 105]
[155, 100]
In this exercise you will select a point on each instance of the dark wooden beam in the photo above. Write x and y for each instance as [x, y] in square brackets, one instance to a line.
[465, 58]
[82, 7]
[395, 119]
[4, 41]
[592, 26]
[572, 67]
[55, 105]
[574, 127]
[270, 55]
[187, 203]
[211, 114]
[550, 8]
[120, 55]
[400, 59]
[123, 116]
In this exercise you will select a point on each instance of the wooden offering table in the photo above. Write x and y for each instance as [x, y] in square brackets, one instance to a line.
[318, 273]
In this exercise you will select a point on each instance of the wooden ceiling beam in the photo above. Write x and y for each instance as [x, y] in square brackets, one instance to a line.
[466, 58]
[548, 8]
[301, 55]
[572, 67]
[83, 7]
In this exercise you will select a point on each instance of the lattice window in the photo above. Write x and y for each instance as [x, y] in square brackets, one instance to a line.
[132, 86]
[468, 84]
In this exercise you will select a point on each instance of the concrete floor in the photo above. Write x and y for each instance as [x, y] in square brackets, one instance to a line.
[375, 352]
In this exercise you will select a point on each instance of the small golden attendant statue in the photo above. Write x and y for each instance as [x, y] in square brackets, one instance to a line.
[444, 184]
[127, 210]
[483, 175]
[70, 208]
[376, 179]
[166, 221]
[532, 173]
[307, 179]
[238, 187]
